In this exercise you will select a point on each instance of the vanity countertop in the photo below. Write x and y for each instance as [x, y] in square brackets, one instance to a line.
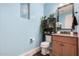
[68, 35]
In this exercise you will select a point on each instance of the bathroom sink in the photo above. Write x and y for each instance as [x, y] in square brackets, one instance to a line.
[64, 32]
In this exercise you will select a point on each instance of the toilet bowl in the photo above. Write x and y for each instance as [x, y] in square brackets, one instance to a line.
[45, 45]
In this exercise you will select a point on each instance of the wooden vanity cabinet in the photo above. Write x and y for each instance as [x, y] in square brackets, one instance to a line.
[64, 45]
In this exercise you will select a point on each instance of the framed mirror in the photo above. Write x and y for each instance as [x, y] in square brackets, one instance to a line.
[65, 16]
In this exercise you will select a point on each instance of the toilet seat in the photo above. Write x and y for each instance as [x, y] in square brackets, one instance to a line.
[45, 44]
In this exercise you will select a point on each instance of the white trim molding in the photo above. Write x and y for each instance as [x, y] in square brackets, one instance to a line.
[31, 52]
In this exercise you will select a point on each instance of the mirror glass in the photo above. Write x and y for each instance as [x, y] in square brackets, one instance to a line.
[65, 16]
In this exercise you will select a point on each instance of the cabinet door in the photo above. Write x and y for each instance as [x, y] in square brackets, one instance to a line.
[69, 50]
[57, 48]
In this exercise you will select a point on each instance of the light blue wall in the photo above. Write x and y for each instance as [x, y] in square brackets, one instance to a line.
[50, 8]
[76, 9]
[16, 32]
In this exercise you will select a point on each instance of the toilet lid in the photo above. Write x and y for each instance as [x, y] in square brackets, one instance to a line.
[45, 43]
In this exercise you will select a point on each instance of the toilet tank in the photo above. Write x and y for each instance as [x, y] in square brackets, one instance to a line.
[48, 38]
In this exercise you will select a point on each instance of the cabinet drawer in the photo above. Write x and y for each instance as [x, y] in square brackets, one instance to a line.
[71, 40]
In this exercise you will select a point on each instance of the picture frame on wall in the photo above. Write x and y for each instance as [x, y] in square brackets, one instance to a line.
[25, 10]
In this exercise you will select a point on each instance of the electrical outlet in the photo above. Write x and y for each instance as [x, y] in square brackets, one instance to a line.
[33, 39]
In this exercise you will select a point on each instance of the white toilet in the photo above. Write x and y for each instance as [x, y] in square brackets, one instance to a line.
[45, 45]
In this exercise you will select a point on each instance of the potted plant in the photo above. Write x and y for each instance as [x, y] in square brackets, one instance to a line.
[52, 23]
[48, 25]
[43, 26]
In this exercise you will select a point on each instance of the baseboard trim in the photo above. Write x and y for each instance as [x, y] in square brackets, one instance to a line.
[31, 52]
